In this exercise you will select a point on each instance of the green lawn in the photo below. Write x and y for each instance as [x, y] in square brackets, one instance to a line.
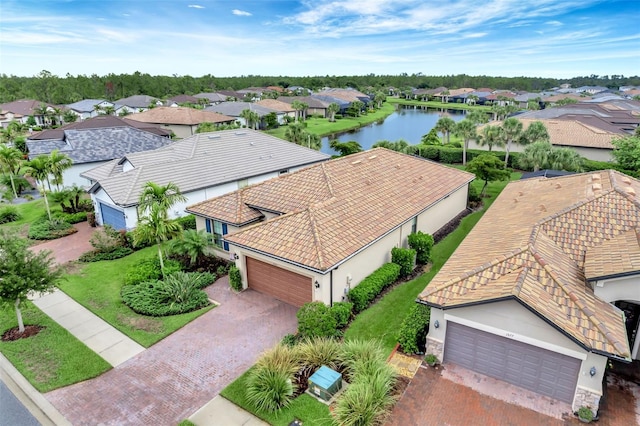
[304, 407]
[323, 127]
[97, 286]
[51, 359]
[437, 104]
[29, 211]
[383, 319]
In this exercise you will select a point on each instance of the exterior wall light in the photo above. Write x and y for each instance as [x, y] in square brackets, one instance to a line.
[592, 372]
[317, 284]
[436, 324]
[235, 256]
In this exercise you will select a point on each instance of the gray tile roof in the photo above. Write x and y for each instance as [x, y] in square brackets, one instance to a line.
[137, 101]
[93, 145]
[234, 109]
[85, 105]
[201, 161]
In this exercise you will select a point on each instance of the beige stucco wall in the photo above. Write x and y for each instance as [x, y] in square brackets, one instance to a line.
[512, 320]
[589, 153]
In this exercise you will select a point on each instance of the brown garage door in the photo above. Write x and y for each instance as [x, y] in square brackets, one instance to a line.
[284, 285]
[536, 369]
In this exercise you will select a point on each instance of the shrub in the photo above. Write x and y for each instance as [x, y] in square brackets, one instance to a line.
[9, 214]
[149, 270]
[413, 330]
[474, 195]
[70, 218]
[283, 358]
[450, 155]
[319, 351]
[235, 279]
[431, 359]
[289, 340]
[341, 311]
[354, 351]
[364, 293]
[179, 293]
[405, 258]
[50, 229]
[222, 270]
[269, 390]
[91, 218]
[106, 240]
[585, 414]
[422, 244]
[95, 255]
[316, 320]
[187, 222]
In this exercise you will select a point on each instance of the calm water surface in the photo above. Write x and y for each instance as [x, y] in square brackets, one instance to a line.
[408, 123]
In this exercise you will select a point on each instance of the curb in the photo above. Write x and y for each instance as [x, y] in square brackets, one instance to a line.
[33, 400]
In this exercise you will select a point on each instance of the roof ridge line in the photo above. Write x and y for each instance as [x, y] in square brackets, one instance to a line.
[574, 297]
[133, 181]
[616, 187]
[482, 267]
[327, 179]
[316, 235]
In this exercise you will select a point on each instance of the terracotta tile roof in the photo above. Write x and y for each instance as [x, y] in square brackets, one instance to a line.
[334, 209]
[618, 256]
[531, 246]
[276, 105]
[180, 115]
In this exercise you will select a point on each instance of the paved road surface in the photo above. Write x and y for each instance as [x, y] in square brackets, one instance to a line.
[13, 412]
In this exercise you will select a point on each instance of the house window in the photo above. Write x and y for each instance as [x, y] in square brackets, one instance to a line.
[218, 229]
[414, 225]
[243, 183]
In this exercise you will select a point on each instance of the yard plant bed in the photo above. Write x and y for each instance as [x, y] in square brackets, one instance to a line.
[14, 333]
[53, 357]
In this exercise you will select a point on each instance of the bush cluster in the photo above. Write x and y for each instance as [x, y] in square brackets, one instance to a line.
[405, 258]
[149, 270]
[70, 218]
[235, 279]
[50, 229]
[422, 243]
[96, 256]
[449, 154]
[413, 330]
[187, 222]
[593, 165]
[367, 290]
[9, 214]
[179, 293]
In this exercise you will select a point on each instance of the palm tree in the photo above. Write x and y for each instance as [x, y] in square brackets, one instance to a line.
[512, 131]
[300, 107]
[156, 227]
[379, 98]
[58, 163]
[333, 109]
[295, 133]
[445, 125]
[477, 117]
[535, 156]
[491, 136]
[565, 159]
[10, 164]
[250, 118]
[467, 131]
[536, 132]
[158, 195]
[193, 244]
[39, 169]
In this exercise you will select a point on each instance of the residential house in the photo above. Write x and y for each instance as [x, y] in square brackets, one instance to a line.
[348, 95]
[22, 109]
[203, 166]
[88, 108]
[95, 141]
[234, 109]
[315, 105]
[181, 100]
[314, 234]
[182, 121]
[136, 103]
[283, 109]
[212, 98]
[544, 289]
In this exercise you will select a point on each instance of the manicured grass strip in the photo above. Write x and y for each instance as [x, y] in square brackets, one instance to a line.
[437, 104]
[323, 127]
[97, 287]
[304, 408]
[54, 357]
[29, 212]
[383, 320]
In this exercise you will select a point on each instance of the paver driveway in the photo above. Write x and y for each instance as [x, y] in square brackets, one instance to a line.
[172, 379]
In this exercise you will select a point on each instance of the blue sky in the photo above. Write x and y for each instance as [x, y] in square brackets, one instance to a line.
[545, 38]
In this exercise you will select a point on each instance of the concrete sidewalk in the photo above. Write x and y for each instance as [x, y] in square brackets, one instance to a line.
[90, 329]
[221, 411]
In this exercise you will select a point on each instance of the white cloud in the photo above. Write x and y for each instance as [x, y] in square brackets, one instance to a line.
[239, 12]
[554, 23]
[195, 6]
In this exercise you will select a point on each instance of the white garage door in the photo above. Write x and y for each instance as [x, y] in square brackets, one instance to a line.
[536, 369]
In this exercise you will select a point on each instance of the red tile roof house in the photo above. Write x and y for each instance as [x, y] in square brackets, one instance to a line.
[182, 121]
[538, 293]
[22, 109]
[313, 234]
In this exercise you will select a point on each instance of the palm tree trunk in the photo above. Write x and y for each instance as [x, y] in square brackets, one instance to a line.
[160, 257]
[19, 315]
[13, 185]
[46, 200]
[506, 157]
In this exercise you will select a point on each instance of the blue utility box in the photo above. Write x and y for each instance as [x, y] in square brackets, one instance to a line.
[325, 383]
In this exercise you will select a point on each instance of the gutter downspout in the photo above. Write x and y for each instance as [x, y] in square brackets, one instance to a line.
[331, 288]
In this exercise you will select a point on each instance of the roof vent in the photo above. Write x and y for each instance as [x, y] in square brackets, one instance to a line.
[372, 157]
[240, 133]
[357, 162]
[629, 190]
[596, 187]
[214, 136]
[595, 177]
[626, 180]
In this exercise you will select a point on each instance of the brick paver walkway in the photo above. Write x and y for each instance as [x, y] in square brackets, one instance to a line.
[430, 399]
[69, 248]
[171, 380]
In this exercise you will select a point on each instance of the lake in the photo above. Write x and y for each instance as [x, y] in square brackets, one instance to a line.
[407, 122]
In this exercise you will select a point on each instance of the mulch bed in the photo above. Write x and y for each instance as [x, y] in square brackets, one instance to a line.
[29, 330]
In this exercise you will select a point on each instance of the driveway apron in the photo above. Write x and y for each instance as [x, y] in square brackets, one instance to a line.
[69, 248]
[172, 379]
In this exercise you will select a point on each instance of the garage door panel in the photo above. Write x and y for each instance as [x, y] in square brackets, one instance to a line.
[113, 217]
[282, 284]
[530, 367]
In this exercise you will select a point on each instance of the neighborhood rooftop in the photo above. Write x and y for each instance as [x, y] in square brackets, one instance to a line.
[200, 161]
[535, 245]
[332, 210]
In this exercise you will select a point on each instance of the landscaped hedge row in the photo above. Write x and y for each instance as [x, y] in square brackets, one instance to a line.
[364, 293]
[315, 319]
[592, 166]
[449, 155]
[413, 331]
[405, 258]
[45, 229]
